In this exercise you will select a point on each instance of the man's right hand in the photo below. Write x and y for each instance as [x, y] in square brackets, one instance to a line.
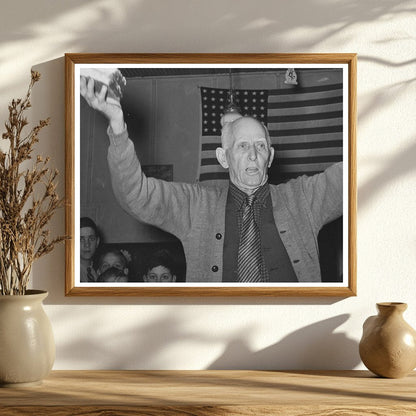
[110, 107]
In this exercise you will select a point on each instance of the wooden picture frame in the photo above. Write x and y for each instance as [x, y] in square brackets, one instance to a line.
[221, 71]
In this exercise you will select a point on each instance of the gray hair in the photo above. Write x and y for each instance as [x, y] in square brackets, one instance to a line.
[227, 132]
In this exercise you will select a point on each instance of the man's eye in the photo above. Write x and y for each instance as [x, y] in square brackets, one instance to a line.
[261, 146]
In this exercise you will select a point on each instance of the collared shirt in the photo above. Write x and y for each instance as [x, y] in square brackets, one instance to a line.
[87, 273]
[259, 205]
[276, 265]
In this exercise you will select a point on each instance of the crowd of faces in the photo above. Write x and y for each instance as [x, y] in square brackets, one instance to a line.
[112, 265]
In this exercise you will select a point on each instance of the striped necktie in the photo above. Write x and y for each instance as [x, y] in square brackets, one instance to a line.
[249, 250]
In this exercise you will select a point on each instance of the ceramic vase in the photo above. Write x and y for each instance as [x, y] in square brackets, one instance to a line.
[388, 345]
[27, 346]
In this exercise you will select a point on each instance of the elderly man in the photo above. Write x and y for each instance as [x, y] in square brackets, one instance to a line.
[249, 231]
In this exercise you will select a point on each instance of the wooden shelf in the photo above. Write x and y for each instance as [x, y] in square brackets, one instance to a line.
[203, 393]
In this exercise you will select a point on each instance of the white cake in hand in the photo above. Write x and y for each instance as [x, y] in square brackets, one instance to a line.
[111, 77]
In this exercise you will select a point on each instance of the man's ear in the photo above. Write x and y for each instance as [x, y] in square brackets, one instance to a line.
[173, 278]
[145, 279]
[271, 158]
[221, 157]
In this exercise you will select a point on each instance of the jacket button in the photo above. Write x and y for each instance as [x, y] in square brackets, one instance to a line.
[214, 268]
[218, 236]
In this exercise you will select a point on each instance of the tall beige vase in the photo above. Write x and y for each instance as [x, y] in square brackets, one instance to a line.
[27, 346]
[388, 345]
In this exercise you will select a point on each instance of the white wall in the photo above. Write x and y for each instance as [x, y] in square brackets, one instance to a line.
[199, 333]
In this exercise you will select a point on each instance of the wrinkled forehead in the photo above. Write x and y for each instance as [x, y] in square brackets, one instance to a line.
[247, 128]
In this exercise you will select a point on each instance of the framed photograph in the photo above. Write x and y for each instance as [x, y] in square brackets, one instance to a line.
[211, 174]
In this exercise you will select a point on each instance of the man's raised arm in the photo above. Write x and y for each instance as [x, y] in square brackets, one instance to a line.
[149, 200]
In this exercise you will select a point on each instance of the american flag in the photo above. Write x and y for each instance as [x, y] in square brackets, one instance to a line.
[305, 126]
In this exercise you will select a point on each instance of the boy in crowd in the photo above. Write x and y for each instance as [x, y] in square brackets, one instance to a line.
[160, 268]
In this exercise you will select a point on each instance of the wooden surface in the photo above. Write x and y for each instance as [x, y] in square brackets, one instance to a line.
[204, 393]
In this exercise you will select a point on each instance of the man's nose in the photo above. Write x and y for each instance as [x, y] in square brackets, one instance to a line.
[252, 153]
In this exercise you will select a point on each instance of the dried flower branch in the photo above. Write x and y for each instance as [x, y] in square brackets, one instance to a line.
[24, 216]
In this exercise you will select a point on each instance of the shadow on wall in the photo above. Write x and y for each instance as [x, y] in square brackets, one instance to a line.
[390, 170]
[126, 17]
[77, 26]
[314, 347]
[153, 344]
[382, 97]
[142, 347]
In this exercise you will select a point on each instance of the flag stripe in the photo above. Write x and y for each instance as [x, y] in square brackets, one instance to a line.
[304, 117]
[213, 176]
[305, 110]
[305, 90]
[304, 138]
[303, 169]
[305, 103]
[304, 124]
[311, 130]
[213, 168]
[210, 146]
[272, 98]
[310, 159]
[324, 151]
[308, 145]
[212, 140]
[209, 161]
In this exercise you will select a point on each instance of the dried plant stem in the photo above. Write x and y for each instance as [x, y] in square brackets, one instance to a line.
[24, 216]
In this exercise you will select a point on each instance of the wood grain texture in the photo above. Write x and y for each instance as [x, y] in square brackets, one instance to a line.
[71, 60]
[213, 393]
[211, 58]
[251, 291]
[210, 411]
[69, 173]
[352, 179]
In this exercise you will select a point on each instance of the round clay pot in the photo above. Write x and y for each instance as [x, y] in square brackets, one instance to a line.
[388, 345]
[27, 346]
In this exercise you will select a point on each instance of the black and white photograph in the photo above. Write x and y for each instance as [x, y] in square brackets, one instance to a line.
[210, 175]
